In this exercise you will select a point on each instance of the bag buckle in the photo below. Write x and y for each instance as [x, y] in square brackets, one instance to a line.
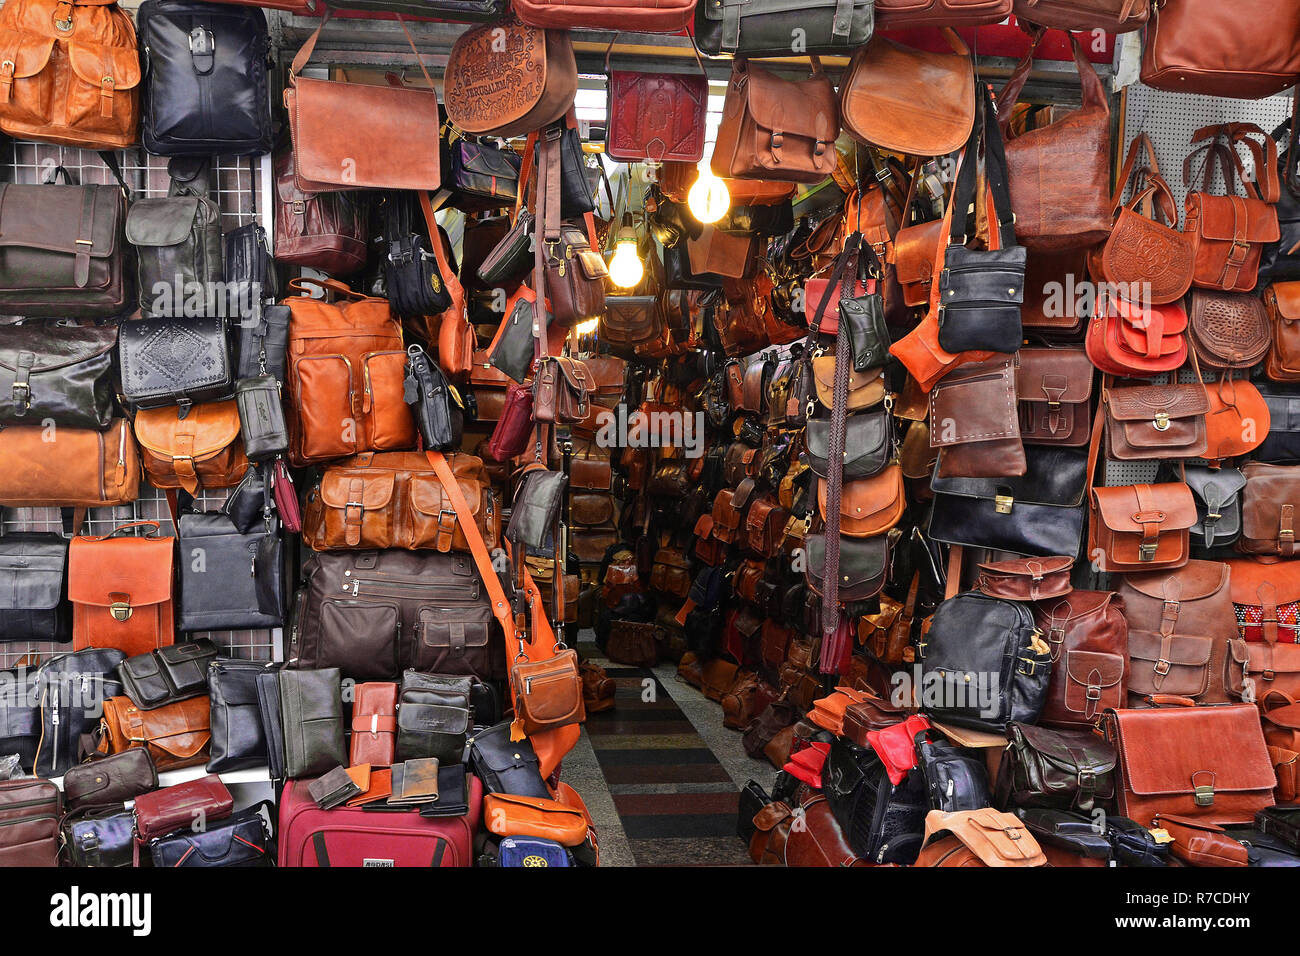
[121, 610]
[1147, 551]
[1162, 667]
[1161, 421]
[1002, 504]
[22, 395]
[1204, 796]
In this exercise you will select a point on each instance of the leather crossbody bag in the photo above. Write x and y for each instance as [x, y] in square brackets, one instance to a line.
[238, 737]
[562, 389]
[35, 605]
[435, 404]
[1053, 395]
[482, 172]
[1128, 339]
[1155, 421]
[57, 371]
[175, 735]
[29, 812]
[974, 422]
[168, 674]
[200, 450]
[262, 427]
[318, 230]
[1269, 501]
[240, 582]
[655, 116]
[175, 361]
[1058, 769]
[263, 344]
[1227, 331]
[433, 716]
[505, 765]
[412, 280]
[61, 685]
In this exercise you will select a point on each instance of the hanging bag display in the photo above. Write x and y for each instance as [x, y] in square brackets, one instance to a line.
[765, 27]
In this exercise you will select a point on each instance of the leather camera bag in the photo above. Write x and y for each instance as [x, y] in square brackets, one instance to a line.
[1251, 54]
[63, 249]
[311, 713]
[318, 230]
[171, 361]
[1060, 769]
[774, 128]
[655, 116]
[660, 16]
[175, 735]
[168, 674]
[61, 372]
[182, 806]
[240, 580]
[34, 606]
[1088, 635]
[109, 781]
[1268, 505]
[205, 79]
[1053, 393]
[763, 27]
[201, 450]
[121, 590]
[481, 105]
[1228, 331]
[401, 146]
[1207, 763]
[1112, 16]
[238, 737]
[69, 74]
[29, 815]
[1060, 173]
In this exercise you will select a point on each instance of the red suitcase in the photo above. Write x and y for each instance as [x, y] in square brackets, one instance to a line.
[354, 836]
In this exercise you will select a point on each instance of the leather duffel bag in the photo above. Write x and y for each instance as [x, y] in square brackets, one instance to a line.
[175, 735]
[58, 372]
[85, 468]
[203, 449]
[767, 27]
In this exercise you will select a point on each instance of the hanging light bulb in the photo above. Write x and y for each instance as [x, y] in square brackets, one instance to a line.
[625, 269]
[708, 199]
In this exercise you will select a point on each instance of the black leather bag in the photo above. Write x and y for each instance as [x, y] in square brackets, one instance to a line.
[1282, 446]
[262, 344]
[414, 284]
[1039, 513]
[110, 781]
[20, 718]
[513, 352]
[205, 86]
[506, 766]
[250, 270]
[57, 371]
[101, 838]
[169, 674]
[575, 189]
[311, 715]
[484, 173]
[883, 822]
[1218, 503]
[868, 444]
[174, 362]
[954, 779]
[229, 579]
[864, 321]
[238, 738]
[765, 27]
[460, 11]
[240, 840]
[1281, 260]
[678, 274]
[71, 688]
[987, 662]
[512, 256]
[177, 240]
[34, 604]
[261, 418]
[1062, 769]
[433, 716]
[536, 506]
[1135, 844]
[1076, 833]
[268, 711]
[438, 413]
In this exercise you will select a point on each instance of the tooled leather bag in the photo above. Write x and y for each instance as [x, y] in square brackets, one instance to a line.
[655, 116]
[1155, 421]
[174, 361]
[1053, 393]
[1228, 331]
[1088, 635]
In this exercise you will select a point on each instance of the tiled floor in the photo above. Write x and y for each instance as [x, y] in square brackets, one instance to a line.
[660, 774]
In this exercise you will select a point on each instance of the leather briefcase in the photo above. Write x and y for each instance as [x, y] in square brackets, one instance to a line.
[175, 735]
[187, 805]
[764, 27]
[49, 266]
[1089, 638]
[325, 231]
[121, 590]
[655, 116]
[1209, 764]
[168, 674]
[34, 606]
[29, 823]
[175, 361]
[60, 372]
[200, 450]
[401, 145]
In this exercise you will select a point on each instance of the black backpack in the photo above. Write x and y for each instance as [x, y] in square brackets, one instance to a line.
[205, 88]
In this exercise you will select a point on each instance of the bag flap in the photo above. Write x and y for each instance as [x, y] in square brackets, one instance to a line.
[1145, 403]
[1184, 649]
[1224, 218]
[1215, 487]
[1260, 582]
[432, 718]
[591, 264]
[212, 426]
[861, 559]
[915, 250]
[1054, 375]
[489, 161]
[805, 108]
[1094, 668]
[429, 498]
[534, 804]
[1169, 505]
[31, 574]
[725, 513]
[588, 509]
[670, 557]
[1286, 299]
[373, 488]
[180, 729]
[824, 372]
[1172, 750]
[704, 526]
[1036, 568]
[1259, 657]
[771, 816]
[998, 839]
[100, 571]
[141, 667]
[95, 62]
[866, 436]
[759, 512]
[1195, 580]
[165, 221]
[49, 218]
[1053, 476]
[1155, 321]
[27, 51]
[1072, 749]
[54, 348]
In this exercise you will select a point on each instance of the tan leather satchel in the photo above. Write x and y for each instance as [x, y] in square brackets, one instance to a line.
[1282, 300]
[201, 450]
[400, 145]
[562, 389]
[984, 837]
[1155, 421]
[508, 79]
[84, 468]
[174, 735]
[868, 506]
[121, 590]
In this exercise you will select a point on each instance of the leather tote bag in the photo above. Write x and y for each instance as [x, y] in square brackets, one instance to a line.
[766, 27]
[121, 590]
[323, 231]
[401, 147]
[655, 16]
[1111, 16]
[69, 73]
[205, 79]
[60, 372]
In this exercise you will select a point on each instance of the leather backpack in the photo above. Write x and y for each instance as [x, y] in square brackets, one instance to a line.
[69, 73]
[1088, 635]
[205, 82]
[121, 590]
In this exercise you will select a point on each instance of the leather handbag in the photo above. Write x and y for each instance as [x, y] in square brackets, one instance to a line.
[1239, 415]
[35, 605]
[101, 838]
[515, 428]
[902, 14]
[433, 716]
[868, 445]
[62, 247]
[1282, 302]
[1060, 173]
[1155, 421]
[662, 16]
[1140, 527]
[974, 422]
[57, 372]
[170, 361]
[1218, 504]
[562, 390]
[1053, 393]
[655, 116]
[318, 230]
[538, 499]
[109, 781]
[882, 94]
[1268, 504]
[205, 79]
[1209, 764]
[1089, 639]
[1251, 55]
[868, 506]
[238, 737]
[984, 837]
[479, 104]
[1227, 331]
[774, 128]
[1058, 769]
[1026, 579]
[192, 804]
[1230, 232]
[262, 427]
[509, 814]
[239, 840]
[864, 564]
[1111, 16]
[29, 812]
[175, 735]
[70, 74]
[168, 674]
[233, 579]
[1198, 843]
[505, 766]
[200, 450]
[1127, 339]
[914, 251]
[763, 27]
[401, 147]
[121, 590]
[866, 389]
[348, 365]
[311, 714]
[482, 173]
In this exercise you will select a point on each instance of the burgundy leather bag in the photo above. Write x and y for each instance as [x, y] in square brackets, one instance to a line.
[655, 116]
[187, 805]
[641, 16]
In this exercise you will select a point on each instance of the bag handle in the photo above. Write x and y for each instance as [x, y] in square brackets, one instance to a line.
[1154, 186]
[1265, 185]
[303, 56]
[327, 285]
[1094, 94]
[156, 526]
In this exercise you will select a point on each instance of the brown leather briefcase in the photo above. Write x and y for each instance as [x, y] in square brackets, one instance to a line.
[121, 590]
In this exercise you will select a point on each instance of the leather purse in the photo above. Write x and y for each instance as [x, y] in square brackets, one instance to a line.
[478, 103]
[433, 717]
[1111, 16]
[974, 422]
[29, 812]
[562, 390]
[175, 735]
[548, 693]
[189, 805]
[664, 16]
[1218, 504]
[262, 427]
[868, 506]
[1209, 764]
[1089, 640]
[311, 715]
[763, 27]
[515, 427]
[1053, 393]
[167, 361]
[1059, 769]
[868, 445]
[1282, 302]
[238, 737]
[1140, 527]
[318, 230]
[508, 814]
[483, 172]
[1026, 579]
[401, 149]
[240, 840]
[121, 590]
[109, 781]
[57, 372]
[1227, 331]
[169, 674]
[1198, 843]
[655, 116]
[505, 766]
[774, 128]
[1127, 339]
[200, 450]
[1155, 421]
[864, 564]
[434, 403]
[866, 389]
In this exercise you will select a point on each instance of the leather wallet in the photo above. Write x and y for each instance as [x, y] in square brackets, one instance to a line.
[110, 781]
[311, 713]
[333, 789]
[169, 674]
[380, 788]
[453, 793]
[374, 724]
[415, 782]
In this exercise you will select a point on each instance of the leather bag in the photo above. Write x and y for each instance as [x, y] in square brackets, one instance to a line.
[984, 837]
[61, 372]
[1111, 16]
[974, 422]
[62, 686]
[868, 445]
[864, 564]
[109, 781]
[1227, 331]
[312, 718]
[1053, 395]
[1268, 505]
[318, 230]
[1282, 301]
[121, 590]
[29, 823]
[175, 735]
[238, 737]
[1088, 636]
[655, 116]
[1060, 769]
[562, 389]
[182, 806]
[240, 840]
[200, 450]
[35, 605]
[659, 16]
[1155, 421]
[1026, 579]
[902, 14]
[170, 361]
[233, 579]
[168, 674]
[763, 27]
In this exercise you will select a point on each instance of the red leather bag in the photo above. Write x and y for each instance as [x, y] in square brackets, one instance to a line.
[514, 429]
[640, 16]
[655, 116]
[1128, 339]
[186, 805]
[896, 746]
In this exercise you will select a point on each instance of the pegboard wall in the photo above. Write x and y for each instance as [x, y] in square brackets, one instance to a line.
[242, 188]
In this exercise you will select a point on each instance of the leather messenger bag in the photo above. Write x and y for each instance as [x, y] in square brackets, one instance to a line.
[121, 591]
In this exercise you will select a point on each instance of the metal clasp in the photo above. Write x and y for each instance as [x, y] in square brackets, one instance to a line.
[1002, 504]
[121, 610]
[1162, 421]
[1204, 796]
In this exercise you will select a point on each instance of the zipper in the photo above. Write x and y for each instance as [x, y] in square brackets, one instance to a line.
[54, 721]
[14, 823]
[26, 804]
[438, 590]
[528, 681]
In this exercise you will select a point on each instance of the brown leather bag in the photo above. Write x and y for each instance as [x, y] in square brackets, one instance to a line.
[719, 253]
[765, 522]
[1206, 763]
[818, 840]
[1111, 16]
[984, 837]
[69, 73]
[347, 366]
[201, 450]
[1228, 330]
[632, 643]
[1060, 174]
[901, 14]
[868, 506]
[323, 231]
[866, 389]
[868, 716]
[747, 698]
[562, 389]
[121, 590]
[773, 128]
[1053, 394]
[974, 422]
[395, 500]
[1268, 509]
[543, 79]
[84, 468]
[670, 572]
[1088, 635]
[175, 735]
[659, 16]
[1155, 421]
[400, 148]
[1282, 301]
[1198, 843]
[1026, 579]
[914, 250]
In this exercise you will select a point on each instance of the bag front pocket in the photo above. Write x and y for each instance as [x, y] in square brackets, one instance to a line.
[392, 426]
[1178, 664]
[324, 406]
[458, 640]
[1094, 682]
[360, 638]
[24, 68]
[101, 88]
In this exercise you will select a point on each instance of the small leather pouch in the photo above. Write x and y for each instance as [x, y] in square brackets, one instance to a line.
[433, 717]
[333, 789]
[109, 781]
[1201, 843]
[261, 418]
[168, 674]
[192, 804]
[1026, 579]
[869, 341]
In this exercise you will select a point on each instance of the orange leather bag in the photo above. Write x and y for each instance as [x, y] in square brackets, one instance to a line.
[121, 590]
[984, 837]
[509, 815]
[1282, 301]
[174, 735]
[84, 468]
[203, 449]
[69, 73]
